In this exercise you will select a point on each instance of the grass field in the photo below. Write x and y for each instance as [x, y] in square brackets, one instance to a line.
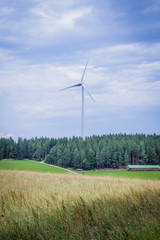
[26, 165]
[64, 206]
[125, 173]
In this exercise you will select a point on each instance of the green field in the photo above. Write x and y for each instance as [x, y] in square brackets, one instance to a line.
[26, 165]
[125, 173]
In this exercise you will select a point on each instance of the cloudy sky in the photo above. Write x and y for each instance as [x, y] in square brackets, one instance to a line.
[44, 45]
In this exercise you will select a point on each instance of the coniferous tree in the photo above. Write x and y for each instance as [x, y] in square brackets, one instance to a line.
[66, 157]
[85, 164]
[76, 159]
[107, 151]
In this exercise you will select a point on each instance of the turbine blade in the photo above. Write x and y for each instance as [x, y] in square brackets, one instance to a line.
[88, 94]
[76, 85]
[84, 71]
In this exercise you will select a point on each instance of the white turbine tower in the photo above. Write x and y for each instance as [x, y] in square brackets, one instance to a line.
[81, 84]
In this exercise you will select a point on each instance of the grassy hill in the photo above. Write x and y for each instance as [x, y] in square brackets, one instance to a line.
[26, 165]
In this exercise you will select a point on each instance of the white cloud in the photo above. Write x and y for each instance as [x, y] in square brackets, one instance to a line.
[42, 23]
[6, 11]
[122, 75]
[44, 45]
[34, 88]
[124, 53]
[2, 135]
[53, 21]
[153, 8]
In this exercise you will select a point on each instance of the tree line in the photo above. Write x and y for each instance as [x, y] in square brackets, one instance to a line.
[95, 152]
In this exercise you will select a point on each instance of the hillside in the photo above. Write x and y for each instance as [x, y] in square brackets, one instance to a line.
[26, 165]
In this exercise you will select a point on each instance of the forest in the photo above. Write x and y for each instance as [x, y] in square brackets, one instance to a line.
[95, 152]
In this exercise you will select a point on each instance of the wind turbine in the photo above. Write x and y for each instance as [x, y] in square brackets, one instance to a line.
[81, 84]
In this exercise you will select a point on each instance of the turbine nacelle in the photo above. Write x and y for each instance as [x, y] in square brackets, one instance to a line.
[79, 85]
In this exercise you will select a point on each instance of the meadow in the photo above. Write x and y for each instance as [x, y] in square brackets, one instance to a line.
[154, 175]
[27, 165]
[36, 205]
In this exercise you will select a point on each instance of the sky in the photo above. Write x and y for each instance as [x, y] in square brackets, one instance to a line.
[44, 46]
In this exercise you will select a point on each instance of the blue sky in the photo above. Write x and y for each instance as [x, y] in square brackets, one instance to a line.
[44, 46]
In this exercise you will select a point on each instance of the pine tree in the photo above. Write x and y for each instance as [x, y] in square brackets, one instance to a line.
[66, 157]
[85, 164]
[76, 159]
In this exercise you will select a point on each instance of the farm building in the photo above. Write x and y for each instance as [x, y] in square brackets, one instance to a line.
[144, 167]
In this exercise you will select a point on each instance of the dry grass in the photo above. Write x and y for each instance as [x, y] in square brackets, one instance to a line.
[51, 206]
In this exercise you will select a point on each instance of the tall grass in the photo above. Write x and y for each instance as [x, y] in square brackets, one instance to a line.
[51, 206]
